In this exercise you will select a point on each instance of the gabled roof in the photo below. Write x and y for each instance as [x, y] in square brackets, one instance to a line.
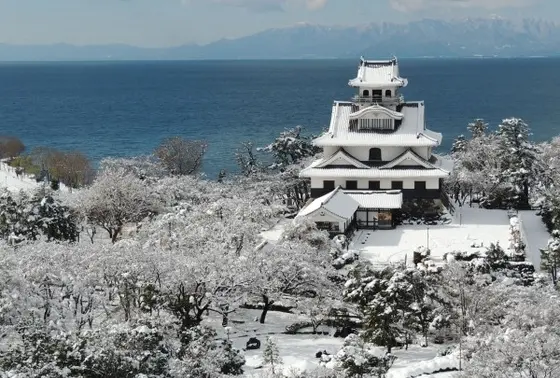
[378, 73]
[411, 156]
[341, 157]
[387, 199]
[374, 111]
[411, 133]
[336, 203]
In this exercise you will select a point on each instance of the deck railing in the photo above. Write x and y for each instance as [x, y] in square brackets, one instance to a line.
[378, 99]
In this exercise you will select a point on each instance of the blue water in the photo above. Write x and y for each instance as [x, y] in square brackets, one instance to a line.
[127, 108]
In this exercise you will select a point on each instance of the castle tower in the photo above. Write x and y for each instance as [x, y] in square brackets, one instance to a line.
[377, 151]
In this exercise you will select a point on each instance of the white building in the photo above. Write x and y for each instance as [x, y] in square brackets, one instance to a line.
[377, 152]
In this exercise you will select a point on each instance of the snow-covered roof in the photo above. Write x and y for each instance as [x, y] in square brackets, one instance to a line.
[411, 132]
[335, 202]
[372, 173]
[408, 157]
[391, 199]
[342, 157]
[378, 74]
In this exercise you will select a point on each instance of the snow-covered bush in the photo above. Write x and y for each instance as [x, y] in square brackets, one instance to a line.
[359, 359]
[28, 218]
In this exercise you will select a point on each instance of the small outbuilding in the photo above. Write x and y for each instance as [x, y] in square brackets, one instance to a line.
[334, 212]
[340, 210]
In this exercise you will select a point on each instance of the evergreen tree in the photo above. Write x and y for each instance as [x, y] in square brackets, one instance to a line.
[291, 146]
[519, 156]
[478, 128]
[357, 359]
[271, 354]
[56, 221]
[370, 290]
[459, 145]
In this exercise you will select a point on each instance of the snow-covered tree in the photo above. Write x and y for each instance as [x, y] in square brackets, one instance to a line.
[478, 168]
[371, 291]
[520, 159]
[523, 340]
[478, 128]
[291, 146]
[181, 156]
[359, 359]
[116, 198]
[550, 256]
[247, 160]
[28, 218]
[293, 269]
[271, 355]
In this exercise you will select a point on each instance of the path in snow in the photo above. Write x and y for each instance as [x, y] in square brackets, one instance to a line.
[535, 234]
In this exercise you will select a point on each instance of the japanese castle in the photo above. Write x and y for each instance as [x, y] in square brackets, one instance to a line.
[377, 153]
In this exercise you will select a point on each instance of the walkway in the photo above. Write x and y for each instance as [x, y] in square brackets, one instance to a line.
[536, 236]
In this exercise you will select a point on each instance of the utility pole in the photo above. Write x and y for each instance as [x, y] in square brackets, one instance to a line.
[428, 237]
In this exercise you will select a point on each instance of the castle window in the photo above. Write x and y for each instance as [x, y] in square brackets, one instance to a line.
[388, 93]
[374, 185]
[420, 185]
[376, 124]
[375, 154]
[352, 184]
[396, 184]
[365, 93]
[328, 184]
[377, 94]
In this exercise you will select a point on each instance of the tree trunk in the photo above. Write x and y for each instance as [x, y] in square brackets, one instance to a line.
[267, 304]
[115, 234]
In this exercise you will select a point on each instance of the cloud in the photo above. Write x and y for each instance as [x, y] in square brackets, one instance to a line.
[414, 5]
[265, 5]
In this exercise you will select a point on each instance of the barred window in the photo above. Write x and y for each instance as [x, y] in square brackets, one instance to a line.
[376, 124]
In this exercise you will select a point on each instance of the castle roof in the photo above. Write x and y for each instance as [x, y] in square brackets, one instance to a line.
[410, 133]
[368, 199]
[407, 165]
[378, 74]
[336, 203]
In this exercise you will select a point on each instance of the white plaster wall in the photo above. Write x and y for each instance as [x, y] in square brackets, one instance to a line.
[432, 183]
[362, 153]
[326, 217]
[328, 151]
[423, 152]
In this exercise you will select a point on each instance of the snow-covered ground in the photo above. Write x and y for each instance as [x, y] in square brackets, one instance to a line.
[472, 227]
[15, 183]
[298, 351]
[10, 180]
[536, 235]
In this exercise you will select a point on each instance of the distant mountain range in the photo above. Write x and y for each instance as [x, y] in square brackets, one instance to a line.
[425, 38]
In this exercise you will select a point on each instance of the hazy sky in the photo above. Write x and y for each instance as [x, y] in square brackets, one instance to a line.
[175, 22]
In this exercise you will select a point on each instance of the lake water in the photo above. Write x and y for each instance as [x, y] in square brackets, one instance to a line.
[127, 108]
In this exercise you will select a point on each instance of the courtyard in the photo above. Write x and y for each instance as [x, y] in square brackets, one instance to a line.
[471, 229]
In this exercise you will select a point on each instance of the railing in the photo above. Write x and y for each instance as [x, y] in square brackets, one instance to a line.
[378, 99]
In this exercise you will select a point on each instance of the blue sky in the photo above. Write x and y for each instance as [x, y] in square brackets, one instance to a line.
[174, 22]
